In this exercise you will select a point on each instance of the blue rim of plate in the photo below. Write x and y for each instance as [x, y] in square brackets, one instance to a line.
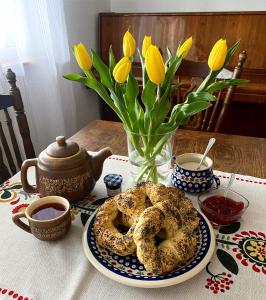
[128, 270]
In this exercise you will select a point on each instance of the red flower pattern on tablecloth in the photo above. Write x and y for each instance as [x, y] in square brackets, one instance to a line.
[248, 246]
[12, 294]
[219, 283]
[251, 249]
[20, 208]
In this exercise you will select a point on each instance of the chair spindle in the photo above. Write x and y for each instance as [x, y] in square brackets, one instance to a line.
[20, 114]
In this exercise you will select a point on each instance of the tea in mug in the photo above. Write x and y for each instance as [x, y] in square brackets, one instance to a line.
[48, 211]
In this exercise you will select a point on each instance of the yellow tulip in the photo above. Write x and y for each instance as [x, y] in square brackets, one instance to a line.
[129, 44]
[155, 65]
[82, 57]
[122, 69]
[184, 48]
[146, 44]
[217, 55]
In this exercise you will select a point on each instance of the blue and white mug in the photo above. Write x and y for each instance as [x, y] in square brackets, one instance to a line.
[186, 177]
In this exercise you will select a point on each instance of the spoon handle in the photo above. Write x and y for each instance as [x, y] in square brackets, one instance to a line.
[230, 182]
[210, 144]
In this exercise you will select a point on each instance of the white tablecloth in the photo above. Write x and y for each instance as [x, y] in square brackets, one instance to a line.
[33, 269]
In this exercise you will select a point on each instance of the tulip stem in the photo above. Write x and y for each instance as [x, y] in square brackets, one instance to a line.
[89, 74]
[158, 93]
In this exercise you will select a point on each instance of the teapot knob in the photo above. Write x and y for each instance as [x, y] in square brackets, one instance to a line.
[61, 140]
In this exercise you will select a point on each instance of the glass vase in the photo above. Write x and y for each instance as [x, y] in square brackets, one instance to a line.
[150, 156]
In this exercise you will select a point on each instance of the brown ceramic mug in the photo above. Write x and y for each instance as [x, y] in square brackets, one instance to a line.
[49, 218]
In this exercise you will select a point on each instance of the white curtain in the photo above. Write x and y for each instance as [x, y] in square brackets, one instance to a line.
[34, 44]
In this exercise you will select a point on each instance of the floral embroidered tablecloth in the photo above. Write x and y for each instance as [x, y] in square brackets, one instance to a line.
[33, 269]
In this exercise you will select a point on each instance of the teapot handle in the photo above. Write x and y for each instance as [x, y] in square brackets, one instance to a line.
[24, 171]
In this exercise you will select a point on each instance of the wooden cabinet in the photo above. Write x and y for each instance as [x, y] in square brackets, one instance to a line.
[248, 111]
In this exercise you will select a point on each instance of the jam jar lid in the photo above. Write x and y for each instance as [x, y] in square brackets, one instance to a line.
[62, 148]
[113, 180]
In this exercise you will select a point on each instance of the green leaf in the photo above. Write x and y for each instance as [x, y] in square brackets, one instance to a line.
[132, 90]
[230, 228]
[169, 76]
[202, 96]
[227, 261]
[160, 110]
[74, 77]
[112, 61]
[231, 51]
[187, 110]
[175, 87]
[224, 84]
[190, 109]
[169, 53]
[170, 59]
[131, 100]
[148, 95]
[121, 107]
[102, 69]
[118, 92]
[159, 114]
[72, 50]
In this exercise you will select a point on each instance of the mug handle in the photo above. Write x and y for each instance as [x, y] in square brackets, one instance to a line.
[24, 171]
[216, 180]
[16, 219]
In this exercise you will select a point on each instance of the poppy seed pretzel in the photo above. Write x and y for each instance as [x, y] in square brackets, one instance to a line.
[126, 209]
[179, 222]
[123, 209]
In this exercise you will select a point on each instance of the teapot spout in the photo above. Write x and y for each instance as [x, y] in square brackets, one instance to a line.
[98, 160]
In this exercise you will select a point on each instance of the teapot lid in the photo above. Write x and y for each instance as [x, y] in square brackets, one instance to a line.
[62, 148]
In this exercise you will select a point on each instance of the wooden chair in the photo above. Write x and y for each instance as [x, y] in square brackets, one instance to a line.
[13, 100]
[193, 73]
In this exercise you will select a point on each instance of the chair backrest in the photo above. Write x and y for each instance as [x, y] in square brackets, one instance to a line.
[192, 74]
[14, 100]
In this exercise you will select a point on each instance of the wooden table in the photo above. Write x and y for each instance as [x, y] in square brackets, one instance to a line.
[231, 153]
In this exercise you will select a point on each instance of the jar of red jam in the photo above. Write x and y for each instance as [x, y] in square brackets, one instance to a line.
[221, 207]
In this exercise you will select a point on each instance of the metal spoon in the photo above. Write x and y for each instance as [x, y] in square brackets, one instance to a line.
[229, 184]
[208, 148]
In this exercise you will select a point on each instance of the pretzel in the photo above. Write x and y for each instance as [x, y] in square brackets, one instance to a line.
[123, 209]
[140, 204]
[178, 220]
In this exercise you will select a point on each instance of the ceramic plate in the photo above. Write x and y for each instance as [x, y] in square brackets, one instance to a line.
[128, 270]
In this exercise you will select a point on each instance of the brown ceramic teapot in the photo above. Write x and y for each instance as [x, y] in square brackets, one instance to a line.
[64, 169]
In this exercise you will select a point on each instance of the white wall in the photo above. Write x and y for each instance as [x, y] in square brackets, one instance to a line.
[82, 26]
[186, 5]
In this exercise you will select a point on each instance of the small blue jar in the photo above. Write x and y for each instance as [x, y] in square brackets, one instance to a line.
[113, 184]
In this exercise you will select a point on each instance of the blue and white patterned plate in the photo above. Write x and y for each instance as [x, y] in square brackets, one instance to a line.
[128, 270]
